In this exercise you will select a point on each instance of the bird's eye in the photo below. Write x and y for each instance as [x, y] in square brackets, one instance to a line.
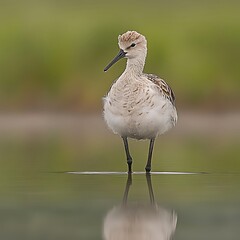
[133, 45]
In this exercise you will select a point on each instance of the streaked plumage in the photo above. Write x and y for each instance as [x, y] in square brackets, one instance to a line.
[138, 105]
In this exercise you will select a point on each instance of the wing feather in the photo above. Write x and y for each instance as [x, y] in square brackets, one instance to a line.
[163, 87]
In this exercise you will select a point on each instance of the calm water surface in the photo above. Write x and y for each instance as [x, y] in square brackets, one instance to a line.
[79, 206]
[73, 186]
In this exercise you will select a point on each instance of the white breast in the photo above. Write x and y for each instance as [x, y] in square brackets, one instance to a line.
[138, 110]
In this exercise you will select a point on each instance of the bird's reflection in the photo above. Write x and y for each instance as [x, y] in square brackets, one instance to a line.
[139, 222]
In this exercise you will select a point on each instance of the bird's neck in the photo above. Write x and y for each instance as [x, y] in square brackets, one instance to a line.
[135, 66]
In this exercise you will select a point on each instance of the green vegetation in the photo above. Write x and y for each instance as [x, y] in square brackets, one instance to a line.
[53, 52]
[52, 58]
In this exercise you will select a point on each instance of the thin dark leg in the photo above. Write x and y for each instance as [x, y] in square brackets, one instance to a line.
[129, 158]
[150, 188]
[148, 166]
[128, 184]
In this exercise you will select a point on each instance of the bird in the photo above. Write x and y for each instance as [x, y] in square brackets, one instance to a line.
[138, 105]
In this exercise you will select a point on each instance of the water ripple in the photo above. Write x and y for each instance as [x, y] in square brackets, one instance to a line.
[135, 173]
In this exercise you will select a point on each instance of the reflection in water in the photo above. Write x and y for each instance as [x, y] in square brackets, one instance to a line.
[139, 222]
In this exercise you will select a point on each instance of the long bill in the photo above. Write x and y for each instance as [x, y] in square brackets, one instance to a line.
[120, 55]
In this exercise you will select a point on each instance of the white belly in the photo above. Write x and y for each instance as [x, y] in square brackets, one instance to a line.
[144, 120]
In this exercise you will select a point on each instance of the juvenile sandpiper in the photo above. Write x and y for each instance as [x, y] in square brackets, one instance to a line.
[138, 105]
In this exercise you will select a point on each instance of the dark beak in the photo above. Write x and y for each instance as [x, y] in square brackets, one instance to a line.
[120, 55]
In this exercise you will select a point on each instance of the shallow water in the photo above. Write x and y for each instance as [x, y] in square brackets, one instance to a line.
[74, 186]
[76, 206]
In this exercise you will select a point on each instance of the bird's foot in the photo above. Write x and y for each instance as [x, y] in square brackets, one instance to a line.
[148, 169]
[129, 162]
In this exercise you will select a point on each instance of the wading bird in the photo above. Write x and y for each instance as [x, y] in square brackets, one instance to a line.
[138, 105]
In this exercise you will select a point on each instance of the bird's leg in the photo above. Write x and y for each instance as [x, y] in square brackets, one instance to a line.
[129, 158]
[148, 166]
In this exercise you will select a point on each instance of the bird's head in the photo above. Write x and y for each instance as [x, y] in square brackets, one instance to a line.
[132, 45]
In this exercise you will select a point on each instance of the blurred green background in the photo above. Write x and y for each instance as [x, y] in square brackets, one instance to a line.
[52, 56]
[53, 52]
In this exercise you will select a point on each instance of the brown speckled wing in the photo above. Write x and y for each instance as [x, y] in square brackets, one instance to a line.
[164, 88]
